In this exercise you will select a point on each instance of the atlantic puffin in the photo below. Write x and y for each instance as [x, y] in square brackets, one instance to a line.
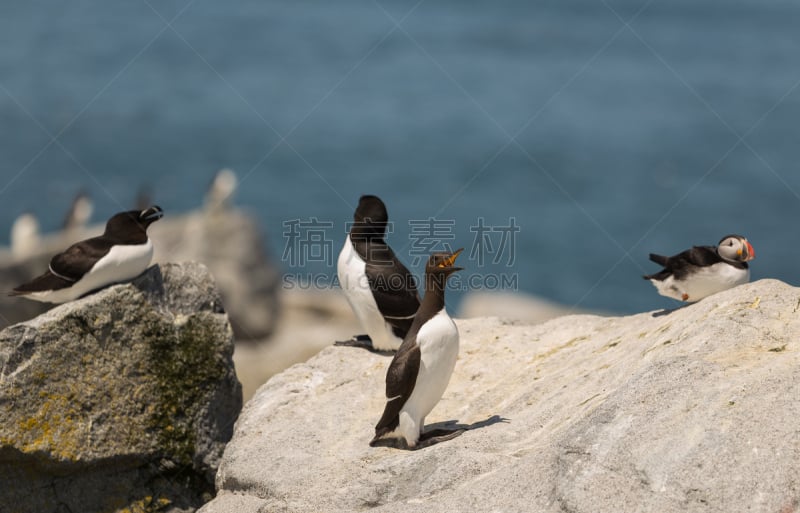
[703, 270]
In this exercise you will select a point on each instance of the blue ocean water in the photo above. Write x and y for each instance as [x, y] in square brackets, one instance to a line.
[601, 129]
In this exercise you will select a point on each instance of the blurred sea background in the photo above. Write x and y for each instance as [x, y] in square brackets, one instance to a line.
[604, 129]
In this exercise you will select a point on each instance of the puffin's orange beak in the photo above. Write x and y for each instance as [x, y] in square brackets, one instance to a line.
[751, 253]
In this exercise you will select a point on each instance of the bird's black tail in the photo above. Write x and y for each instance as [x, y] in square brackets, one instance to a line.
[659, 259]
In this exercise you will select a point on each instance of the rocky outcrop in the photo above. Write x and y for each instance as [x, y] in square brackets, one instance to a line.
[229, 242]
[688, 410]
[120, 401]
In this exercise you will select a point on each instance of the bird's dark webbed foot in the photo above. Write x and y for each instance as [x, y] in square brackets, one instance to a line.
[362, 341]
[392, 443]
[427, 439]
[435, 436]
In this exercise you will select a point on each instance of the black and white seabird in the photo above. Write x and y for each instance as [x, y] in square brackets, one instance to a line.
[420, 370]
[703, 270]
[379, 288]
[123, 252]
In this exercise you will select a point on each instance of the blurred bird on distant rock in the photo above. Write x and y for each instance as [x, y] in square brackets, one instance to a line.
[25, 238]
[219, 196]
[79, 213]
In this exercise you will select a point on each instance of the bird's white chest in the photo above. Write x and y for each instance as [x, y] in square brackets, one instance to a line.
[703, 282]
[121, 263]
[438, 342]
[351, 270]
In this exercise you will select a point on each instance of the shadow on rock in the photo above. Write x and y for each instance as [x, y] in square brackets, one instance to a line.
[438, 433]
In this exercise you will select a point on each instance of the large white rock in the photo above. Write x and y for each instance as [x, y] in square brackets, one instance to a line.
[690, 410]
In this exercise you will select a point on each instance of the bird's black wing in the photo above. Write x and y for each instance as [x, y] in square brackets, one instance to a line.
[685, 262]
[701, 256]
[47, 281]
[394, 289]
[67, 267]
[79, 258]
[400, 380]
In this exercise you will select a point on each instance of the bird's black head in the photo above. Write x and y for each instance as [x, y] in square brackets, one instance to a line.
[132, 225]
[370, 218]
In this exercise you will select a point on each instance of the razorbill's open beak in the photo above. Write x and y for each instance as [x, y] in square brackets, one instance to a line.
[449, 261]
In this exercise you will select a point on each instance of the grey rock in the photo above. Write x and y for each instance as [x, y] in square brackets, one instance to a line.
[230, 244]
[122, 400]
[688, 410]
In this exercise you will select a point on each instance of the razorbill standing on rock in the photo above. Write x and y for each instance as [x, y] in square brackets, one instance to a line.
[421, 368]
[123, 252]
[703, 270]
[379, 288]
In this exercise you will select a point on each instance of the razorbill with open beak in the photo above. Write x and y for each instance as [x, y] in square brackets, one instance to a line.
[703, 270]
[420, 370]
[381, 291]
[123, 252]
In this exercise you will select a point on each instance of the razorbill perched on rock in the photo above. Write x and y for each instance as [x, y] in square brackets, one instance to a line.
[381, 291]
[703, 270]
[123, 252]
[420, 370]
